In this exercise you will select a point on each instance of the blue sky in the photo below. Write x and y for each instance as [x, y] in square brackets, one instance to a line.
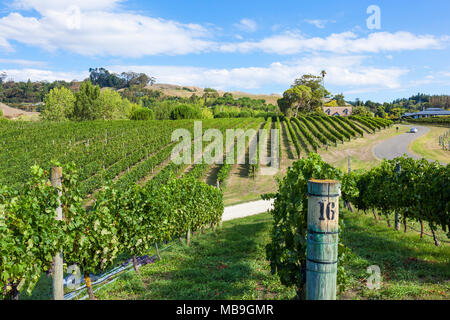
[252, 46]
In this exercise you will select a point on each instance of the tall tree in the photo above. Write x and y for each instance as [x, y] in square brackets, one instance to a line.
[58, 104]
[296, 99]
[3, 77]
[317, 89]
[323, 73]
[87, 102]
[111, 106]
[339, 99]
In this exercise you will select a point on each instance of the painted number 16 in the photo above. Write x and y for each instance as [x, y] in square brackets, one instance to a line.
[329, 210]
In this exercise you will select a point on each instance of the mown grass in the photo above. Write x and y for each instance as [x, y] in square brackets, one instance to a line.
[232, 265]
[228, 264]
[411, 268]
[428, 146]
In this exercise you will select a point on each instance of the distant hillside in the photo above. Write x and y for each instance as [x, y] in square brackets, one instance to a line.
[13, 113]
[187, 91]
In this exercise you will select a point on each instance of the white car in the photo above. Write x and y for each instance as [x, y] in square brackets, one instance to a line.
[413, 130]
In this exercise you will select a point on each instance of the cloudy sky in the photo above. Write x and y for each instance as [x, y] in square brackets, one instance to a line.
[254, 46]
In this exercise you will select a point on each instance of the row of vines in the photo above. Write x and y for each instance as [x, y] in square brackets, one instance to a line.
[314, 132]
[121, 221]
[404, 189]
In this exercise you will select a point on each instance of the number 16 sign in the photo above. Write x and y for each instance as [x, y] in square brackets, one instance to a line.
[322, 242]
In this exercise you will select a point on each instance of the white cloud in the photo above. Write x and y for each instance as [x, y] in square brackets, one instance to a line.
[346, 71]
[43, 75]
[101, 28]
[342, 43]
[27, 63]
[247, 25]
[45, 6]
[319, 23]
[91, 28]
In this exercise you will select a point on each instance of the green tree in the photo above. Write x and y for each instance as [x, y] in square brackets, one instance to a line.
[397, 112]
[296, 99]
[332, 103]
[361, 111]
[207, 113]
[318, 91]
[209, 94]
[87, 102]
[380, 112]
[142, 114]
[185, 111]
[111, 106]
[58, 105]
[339, 99]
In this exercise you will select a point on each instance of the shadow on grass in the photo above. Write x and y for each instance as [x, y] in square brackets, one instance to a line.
[211, 177]
[400, 256]
[42, 291]
[243, 170]
[228, 264]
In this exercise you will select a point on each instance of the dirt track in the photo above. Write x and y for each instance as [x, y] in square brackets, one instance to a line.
[11, 113]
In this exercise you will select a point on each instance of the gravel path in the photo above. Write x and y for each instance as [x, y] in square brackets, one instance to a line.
[398, 145]
[246, 209]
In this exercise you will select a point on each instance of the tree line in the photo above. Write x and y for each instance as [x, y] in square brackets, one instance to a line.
[398, 107]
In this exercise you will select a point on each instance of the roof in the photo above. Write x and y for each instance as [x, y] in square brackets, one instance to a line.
[428, 112]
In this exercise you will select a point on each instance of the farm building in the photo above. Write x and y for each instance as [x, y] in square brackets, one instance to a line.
[426, 113]
[338, 111]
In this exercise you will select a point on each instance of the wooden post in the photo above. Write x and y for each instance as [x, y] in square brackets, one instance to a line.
[58, 272]
[398, 169]
[188, 237]
[349, 167]
[157, 251]
[322, 243]
[347, 203]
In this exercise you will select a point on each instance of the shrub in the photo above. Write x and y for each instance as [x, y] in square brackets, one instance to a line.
[222, 114]
[185, 111]
[143, 114]
[245, 114]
